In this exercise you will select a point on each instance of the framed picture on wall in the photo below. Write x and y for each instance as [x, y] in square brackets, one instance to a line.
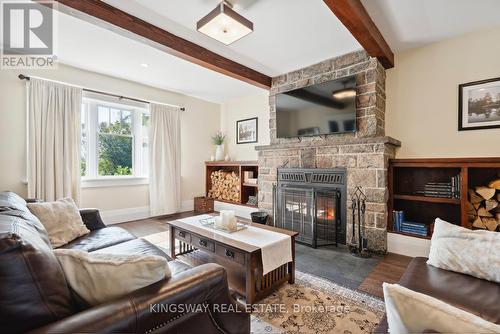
[247, 131]
[479, 105]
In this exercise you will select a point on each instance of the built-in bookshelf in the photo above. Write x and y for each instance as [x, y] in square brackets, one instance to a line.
[246, 190]
[425, 189]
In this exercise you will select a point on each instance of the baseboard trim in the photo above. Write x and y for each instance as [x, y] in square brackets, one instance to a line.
[409, 246]
[111, 217]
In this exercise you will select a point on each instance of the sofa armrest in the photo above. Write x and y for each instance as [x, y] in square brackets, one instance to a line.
[92, 219]
[148, 308]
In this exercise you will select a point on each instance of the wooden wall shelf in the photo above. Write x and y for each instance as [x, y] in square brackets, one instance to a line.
[406, 176]
[238, 167]
[428, 199]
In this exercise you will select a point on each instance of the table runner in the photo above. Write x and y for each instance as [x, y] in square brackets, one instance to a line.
[276, 248]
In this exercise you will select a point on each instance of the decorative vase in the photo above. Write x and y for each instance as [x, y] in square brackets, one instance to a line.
[219, 152]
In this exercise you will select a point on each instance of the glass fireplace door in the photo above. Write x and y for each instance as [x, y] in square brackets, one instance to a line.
[296, 211]
[327, 217]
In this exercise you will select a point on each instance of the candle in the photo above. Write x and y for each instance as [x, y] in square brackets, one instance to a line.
[228, 219]
[218, 222]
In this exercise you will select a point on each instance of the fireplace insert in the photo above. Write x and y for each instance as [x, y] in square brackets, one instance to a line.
[313, 203]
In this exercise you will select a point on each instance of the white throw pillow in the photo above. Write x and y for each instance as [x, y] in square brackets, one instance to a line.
[475, 253]
[61, 219]
[99, 278]
[412, 312]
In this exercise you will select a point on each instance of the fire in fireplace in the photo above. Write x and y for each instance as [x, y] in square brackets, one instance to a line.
[313, 203]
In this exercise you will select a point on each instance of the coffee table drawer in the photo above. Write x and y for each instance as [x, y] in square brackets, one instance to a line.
[182, 235]
[230, 254]
[203, 243]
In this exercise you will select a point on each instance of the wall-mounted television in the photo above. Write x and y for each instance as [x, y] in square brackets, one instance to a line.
[321, 109]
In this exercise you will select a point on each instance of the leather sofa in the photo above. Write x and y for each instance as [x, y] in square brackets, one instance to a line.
[34, 295]
[471, 294]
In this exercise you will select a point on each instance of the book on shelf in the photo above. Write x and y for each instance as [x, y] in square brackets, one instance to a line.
[400, 224]
[442, 189]
[397, 218]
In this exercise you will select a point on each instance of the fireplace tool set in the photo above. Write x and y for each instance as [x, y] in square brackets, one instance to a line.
[359, 245]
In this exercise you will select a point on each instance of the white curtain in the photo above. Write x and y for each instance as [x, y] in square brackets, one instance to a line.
[165, 160]
[53, 140]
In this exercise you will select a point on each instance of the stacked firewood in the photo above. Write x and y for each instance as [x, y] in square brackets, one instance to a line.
[225, 186]
[483, 207]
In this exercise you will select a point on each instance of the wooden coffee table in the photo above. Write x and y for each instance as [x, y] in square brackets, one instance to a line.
[243, 262]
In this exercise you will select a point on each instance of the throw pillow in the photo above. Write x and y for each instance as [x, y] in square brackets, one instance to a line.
[98, 278]
[412, 312]
[475, 253]
[61, 219]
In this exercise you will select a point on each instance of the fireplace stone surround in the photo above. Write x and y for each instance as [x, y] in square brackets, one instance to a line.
[364, 154]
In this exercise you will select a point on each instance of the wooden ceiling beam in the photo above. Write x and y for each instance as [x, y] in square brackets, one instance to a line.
[112, 18]
[355, 18]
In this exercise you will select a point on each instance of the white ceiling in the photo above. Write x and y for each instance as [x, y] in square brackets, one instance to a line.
[96, 49]
[289, 34]
[407, 24]
[282, 42]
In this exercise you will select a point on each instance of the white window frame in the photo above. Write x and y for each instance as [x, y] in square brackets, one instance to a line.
[92, 178]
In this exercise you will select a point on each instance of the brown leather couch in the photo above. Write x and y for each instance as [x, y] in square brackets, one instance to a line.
[471, 294]
[35, 297]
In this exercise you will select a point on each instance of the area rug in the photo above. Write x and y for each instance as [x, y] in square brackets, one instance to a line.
[311, 305]
[316, 305]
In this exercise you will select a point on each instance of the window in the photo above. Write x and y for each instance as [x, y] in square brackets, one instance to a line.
[114, 140]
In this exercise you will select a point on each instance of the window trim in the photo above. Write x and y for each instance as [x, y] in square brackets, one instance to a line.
[93, 179]
[113, 181]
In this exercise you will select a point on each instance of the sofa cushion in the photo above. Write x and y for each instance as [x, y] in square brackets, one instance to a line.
[61, 219]
[33, 289]
[100, 238]
[474, 295]
[144, 247]
[10, 200]
[457, 249]
[413, 312]
[100, 278]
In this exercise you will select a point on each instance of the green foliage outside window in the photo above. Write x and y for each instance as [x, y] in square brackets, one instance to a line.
[115, 149]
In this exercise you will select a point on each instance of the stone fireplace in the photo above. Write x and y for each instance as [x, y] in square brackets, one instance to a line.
[364, 154]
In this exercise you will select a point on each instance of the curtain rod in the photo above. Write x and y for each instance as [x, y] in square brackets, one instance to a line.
[24, 77]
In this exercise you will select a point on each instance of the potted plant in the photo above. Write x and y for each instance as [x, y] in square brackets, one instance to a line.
[218, 140]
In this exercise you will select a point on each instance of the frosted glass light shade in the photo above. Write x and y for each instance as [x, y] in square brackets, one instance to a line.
[224, 25]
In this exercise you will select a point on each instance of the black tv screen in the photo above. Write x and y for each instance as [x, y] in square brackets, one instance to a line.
[325, 108]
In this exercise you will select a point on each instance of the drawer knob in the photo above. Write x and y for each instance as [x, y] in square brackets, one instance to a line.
[202, 243]
[229, 253]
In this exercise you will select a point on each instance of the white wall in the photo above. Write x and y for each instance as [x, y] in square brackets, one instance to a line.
[422, 97]
[200, 120]
[243, 108]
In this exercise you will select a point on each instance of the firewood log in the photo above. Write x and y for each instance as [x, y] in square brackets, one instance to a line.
[490, 204]
[495, 184]
[478, 223]
[481, 212]
[485, 192]
[470, 208]
[490, 223]
[474, 198]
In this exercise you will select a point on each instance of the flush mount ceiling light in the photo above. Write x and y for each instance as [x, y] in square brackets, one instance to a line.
[224, 24]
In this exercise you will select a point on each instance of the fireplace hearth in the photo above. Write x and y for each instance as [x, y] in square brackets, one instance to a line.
[313, 203]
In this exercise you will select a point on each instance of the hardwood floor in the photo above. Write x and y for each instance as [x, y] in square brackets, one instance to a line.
[389, 269]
